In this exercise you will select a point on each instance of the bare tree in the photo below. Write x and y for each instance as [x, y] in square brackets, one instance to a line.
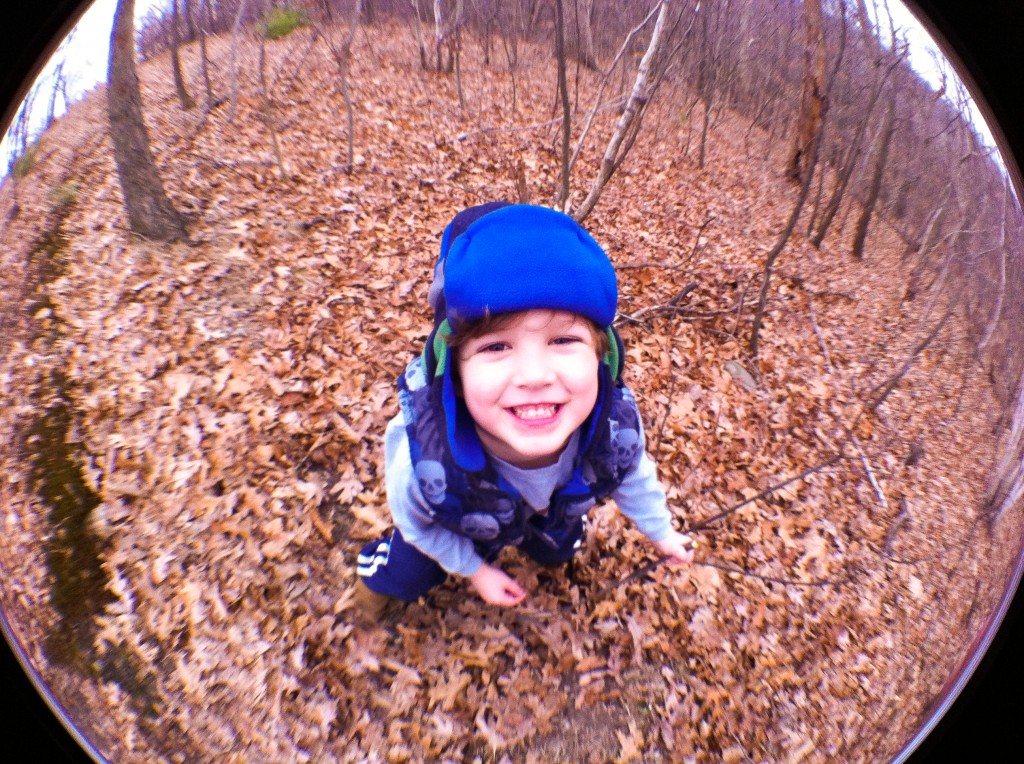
[205, 21]
[150, 213]
[1006, 481]
[850, 160]
[1002, 252]
[233, 65]
[812, 101]
[420, 44]
[563, 93]
[599, 103]
[875, 182]
[342, 53]
[579, 37]
[780, 244]
[647, 81]
[268, 108]
[179, 79]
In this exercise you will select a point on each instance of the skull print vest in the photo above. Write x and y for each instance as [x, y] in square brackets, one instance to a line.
[482, 505]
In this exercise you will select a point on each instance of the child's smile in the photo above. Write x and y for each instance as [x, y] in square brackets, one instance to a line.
[530, 384]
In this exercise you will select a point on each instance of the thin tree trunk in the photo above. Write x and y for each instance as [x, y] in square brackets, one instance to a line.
[150, 213]
[419, 35]
[179, 79]
[812, 91]
[1006, 481]
[632, 114]
[598, 105]
[780, 244]
[579, 43]
[438, 34]
[875, 187]
[1003, 253]
[705, 125]
[343, 57]
[563, 91]
[234, 60]
[268, 110]
[207, 84]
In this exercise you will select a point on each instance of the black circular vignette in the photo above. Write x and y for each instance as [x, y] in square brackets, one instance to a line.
[982, 724]
[985, 36]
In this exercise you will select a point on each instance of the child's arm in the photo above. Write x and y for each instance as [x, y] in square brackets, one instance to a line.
[642, 499]
[409, 509]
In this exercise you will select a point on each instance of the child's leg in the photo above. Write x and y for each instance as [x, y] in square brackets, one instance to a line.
[545, 554]
[395, 568]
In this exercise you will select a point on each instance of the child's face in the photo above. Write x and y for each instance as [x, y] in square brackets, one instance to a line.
[530, 384]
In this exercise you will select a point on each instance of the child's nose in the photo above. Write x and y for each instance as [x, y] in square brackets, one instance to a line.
[532, 369]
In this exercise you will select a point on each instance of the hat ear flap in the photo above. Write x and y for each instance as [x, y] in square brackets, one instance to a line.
[615, 357]
[452, 231]
[435, 350]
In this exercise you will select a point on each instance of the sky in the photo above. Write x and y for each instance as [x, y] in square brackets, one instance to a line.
[85, 50]
[88, 48]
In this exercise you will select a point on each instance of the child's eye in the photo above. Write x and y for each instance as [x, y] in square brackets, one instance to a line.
[568, 340]
[493, 347]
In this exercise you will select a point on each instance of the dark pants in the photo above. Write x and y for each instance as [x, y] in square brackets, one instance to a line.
[394, 567]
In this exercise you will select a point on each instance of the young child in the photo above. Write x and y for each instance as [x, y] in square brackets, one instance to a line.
[514, 421]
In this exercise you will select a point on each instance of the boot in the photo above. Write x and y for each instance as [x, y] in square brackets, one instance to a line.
[370, 605]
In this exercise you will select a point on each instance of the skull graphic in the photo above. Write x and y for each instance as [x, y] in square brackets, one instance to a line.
[505, 510]
[480, 527]
[430, 475]
[415, 377]
[625, 445]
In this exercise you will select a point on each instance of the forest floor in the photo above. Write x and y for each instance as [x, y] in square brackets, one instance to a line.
[226, 399]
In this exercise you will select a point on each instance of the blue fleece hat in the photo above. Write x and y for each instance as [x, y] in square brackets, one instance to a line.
[502, 258]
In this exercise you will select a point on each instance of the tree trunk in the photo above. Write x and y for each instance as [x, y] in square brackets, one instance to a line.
[343, 58]
[563, 91]
[861, 231]
[419, 35]
[812, 101]
[233, 60]
[179, 79]
[780, 244]
[202, 25]
[268, 109]
[631, 117]
[150, 213]
[579, 40]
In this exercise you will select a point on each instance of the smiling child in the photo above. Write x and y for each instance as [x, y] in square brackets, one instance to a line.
[514, 422]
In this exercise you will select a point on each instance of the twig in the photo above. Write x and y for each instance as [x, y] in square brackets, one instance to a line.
[767, 492]
[645, 569]
[666, 308]
[821, 341]
[509, 128]
[870, 473]
[637, 266]
[668, 410]
[650, 566]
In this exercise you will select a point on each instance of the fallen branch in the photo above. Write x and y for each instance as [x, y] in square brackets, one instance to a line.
[821, 340]
[869, 472]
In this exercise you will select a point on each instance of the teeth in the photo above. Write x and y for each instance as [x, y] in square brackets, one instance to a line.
[535, 412]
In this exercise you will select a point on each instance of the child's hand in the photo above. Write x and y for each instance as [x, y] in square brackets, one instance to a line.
[496, 587]
[678, 547]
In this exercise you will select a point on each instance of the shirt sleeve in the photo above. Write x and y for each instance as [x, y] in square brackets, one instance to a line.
[642, 499]
[409, 508]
